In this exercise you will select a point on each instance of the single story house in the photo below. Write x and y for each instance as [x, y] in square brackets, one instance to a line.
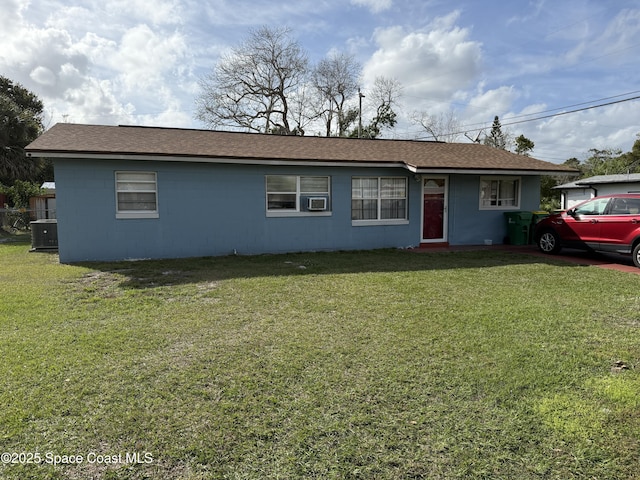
[586, 188]
[127, 192]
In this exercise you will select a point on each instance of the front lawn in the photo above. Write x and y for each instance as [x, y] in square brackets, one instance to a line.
[373, 365]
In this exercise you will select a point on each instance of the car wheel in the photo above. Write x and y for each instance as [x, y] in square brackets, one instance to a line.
[636, 255]
[549, 242]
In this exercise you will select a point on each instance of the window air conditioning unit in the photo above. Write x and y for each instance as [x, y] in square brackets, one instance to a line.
[317, 204]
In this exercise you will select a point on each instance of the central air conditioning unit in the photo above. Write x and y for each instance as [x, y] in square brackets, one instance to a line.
[317, 204]
[44, 235]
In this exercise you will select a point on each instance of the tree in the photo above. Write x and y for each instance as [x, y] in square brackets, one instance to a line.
[608, 161]
[523, 145]
[444, 127]
[254, 85]
[572, 162]
[631, 160]
[603, 162]
[336, 81]
[20, 193]
[496, 137]
[550, 197]
[265, 85]
[384, 95]
[21, 122]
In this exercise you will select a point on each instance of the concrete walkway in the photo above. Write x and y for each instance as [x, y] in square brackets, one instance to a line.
[619, 263]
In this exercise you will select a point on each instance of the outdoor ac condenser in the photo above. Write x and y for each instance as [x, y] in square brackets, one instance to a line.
[44, 235]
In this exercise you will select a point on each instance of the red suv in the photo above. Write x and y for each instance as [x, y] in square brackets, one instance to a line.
[609, 223]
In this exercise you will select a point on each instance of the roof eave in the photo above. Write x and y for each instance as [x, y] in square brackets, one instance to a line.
[278, 161]
[590, 184]
[484, 171]
[210, 159]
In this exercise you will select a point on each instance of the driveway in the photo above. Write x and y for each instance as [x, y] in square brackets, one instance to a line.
[620, 263]
[580, 257]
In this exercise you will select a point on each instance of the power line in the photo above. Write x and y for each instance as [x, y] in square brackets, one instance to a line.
[467, 130]
[570, 106]
[575, 111]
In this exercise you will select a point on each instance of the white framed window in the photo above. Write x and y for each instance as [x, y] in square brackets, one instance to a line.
[378, 200]
[136, 195]
[291, 195]
[499, 193]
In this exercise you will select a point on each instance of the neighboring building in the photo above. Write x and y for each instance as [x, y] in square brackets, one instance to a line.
[586, 188]
[140, 192]
[43, 206]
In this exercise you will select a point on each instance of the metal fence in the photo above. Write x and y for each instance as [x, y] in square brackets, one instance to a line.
[17, 220]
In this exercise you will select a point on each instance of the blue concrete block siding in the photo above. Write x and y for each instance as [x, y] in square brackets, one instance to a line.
[468, 225]
[208, 209]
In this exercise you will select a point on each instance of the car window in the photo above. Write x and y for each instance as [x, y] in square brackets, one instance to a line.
[625, 206]
[592, 207]
[619, 207]
[634, 206]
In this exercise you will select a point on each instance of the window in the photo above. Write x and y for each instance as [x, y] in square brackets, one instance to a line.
[379, 199]
[292, 194]
[625, 206]
[592, 207]
[499, 193]
[136, 195]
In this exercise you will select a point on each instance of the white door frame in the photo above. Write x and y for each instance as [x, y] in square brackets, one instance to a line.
[445, 213]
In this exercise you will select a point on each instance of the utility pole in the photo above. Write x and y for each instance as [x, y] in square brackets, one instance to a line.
[361, 96]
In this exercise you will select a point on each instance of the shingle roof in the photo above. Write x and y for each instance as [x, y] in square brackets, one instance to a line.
[602, 179]
[206, 145]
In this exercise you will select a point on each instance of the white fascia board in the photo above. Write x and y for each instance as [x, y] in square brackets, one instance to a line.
[309, 163]
[236, 161]
[478, 171]
[583, 184]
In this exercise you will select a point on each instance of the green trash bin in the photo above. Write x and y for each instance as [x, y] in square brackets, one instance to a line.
[536, 217]
[518, 227]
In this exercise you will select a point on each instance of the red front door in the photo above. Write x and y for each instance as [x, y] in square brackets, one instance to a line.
[433, 208]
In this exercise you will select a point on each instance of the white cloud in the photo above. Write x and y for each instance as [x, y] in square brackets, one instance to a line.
[437, 61]
[107, 16]
[590, 43]
[375, 6]
[618, 42]
[156, 12]
[432, 64]
[144, 56]
[11, 17]
[528, 15]
[100, 72]
[38, 55]
[68, 17]
[565, 136]
[43, 76]
[487, 104]
[93, 102]
[137, 61]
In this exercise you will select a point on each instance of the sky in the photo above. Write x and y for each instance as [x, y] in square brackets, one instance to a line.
[139, 62]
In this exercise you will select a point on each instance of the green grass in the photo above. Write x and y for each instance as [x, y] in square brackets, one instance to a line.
[375, 365]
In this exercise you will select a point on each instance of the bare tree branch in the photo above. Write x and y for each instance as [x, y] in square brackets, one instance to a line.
[251, 86]
[443, 127]
[336, 81]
